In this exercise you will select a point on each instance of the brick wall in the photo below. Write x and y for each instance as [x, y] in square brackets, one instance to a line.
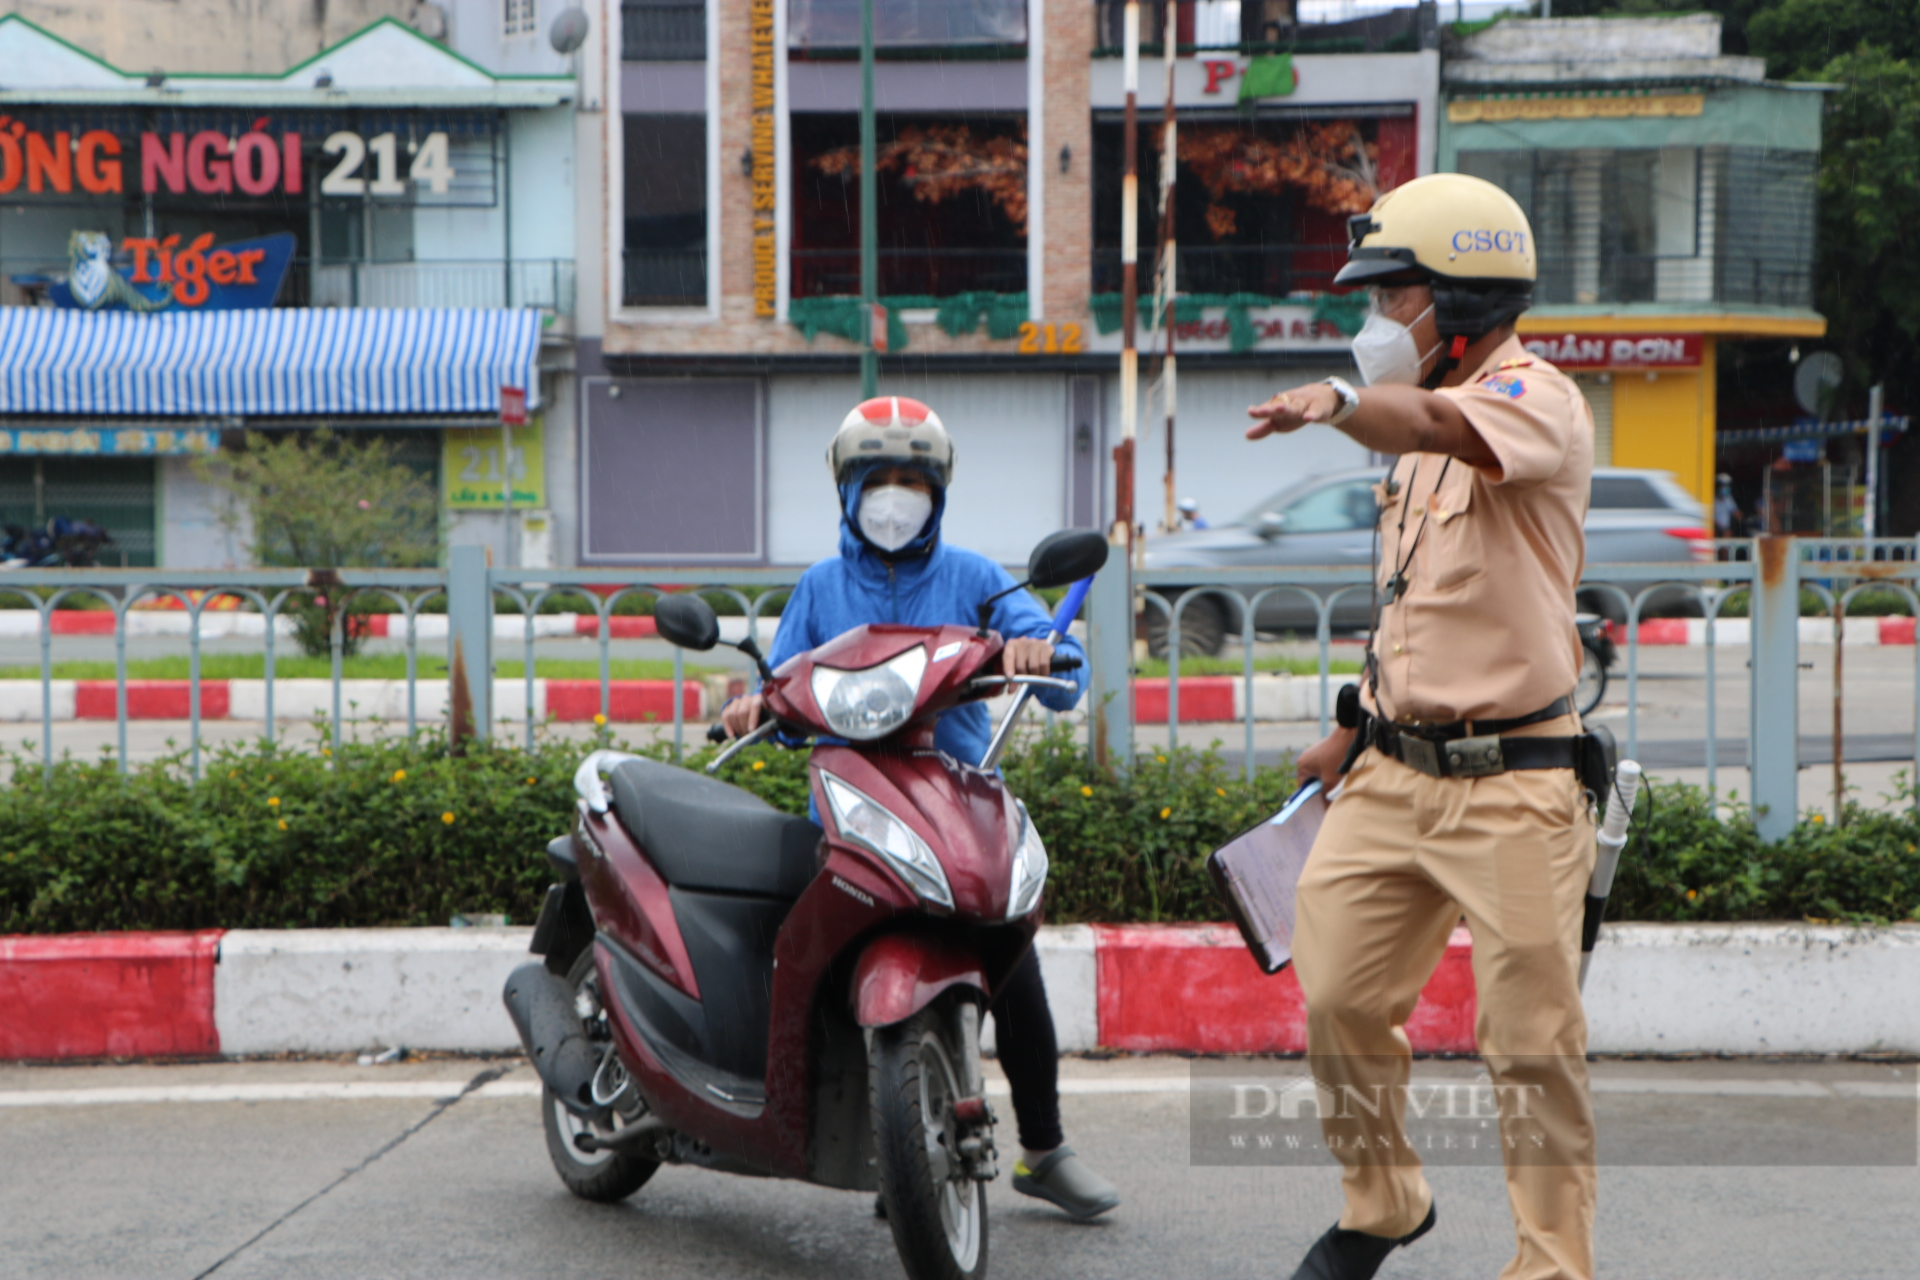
[1068, 269]
[1069, 41]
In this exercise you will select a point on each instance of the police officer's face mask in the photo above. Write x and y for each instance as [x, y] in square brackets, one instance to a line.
[1385, 352]
[893, 515]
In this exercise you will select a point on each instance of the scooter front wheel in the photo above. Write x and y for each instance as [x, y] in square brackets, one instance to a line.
[938, 1212]
[604, 1176]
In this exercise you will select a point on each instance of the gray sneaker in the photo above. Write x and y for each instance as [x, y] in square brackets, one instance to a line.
[1063, 1180]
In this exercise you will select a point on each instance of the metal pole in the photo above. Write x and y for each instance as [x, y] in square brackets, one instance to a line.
[869, 209]
[1872, 523]
[469, 644]
[1129, 292]
[1167, 285]
[506, 493]
[1774, 750]
[1110, 611]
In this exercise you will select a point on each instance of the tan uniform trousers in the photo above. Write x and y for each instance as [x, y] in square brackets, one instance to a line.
[1400, 858]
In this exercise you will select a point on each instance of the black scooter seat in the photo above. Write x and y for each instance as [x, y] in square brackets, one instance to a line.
[702, 833]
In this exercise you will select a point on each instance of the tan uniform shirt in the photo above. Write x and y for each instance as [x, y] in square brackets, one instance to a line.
[1484, 629]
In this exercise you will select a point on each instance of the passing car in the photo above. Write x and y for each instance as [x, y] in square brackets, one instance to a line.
[1636, 516]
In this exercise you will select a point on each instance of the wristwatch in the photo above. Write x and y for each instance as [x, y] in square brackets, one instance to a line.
[1349, 400]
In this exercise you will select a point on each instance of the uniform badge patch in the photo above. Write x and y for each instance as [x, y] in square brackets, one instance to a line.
[1511, 388]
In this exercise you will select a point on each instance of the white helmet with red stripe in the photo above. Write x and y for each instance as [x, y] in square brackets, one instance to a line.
[892, 429]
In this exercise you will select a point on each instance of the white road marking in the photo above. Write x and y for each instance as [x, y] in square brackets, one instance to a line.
[436, 1090]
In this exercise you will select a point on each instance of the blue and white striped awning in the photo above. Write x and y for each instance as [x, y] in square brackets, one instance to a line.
[282, 360]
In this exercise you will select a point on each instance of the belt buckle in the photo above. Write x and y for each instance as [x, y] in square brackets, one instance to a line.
[1420, 755]
[1475, 757]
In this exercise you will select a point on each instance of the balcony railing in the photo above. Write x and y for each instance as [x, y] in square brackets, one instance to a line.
[1273, 270]
[938, 273]
[546, 283]
[663, 30]
[1270, 26]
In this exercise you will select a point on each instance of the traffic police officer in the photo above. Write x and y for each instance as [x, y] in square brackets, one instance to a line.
[1460, 794]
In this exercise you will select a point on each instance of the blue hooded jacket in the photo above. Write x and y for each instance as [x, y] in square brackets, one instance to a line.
[926, 583]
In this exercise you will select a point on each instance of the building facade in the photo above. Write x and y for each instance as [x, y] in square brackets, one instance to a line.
[1671, 191]
[375, 237]
[727, 351]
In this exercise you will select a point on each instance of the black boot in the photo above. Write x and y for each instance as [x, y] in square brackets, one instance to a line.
[1354, 1255]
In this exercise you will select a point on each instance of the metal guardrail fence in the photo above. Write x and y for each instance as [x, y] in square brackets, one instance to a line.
[1771, 572]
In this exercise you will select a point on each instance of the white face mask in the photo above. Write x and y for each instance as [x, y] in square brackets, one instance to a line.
[893, 515]
[1385, 353]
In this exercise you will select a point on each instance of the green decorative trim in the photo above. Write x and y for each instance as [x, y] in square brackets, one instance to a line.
[961, 314]
[280, 76]
[1346, 312]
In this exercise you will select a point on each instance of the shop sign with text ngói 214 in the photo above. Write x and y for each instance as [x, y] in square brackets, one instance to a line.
[169, 273]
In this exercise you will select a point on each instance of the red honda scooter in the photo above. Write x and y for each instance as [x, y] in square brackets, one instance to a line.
[729, 986]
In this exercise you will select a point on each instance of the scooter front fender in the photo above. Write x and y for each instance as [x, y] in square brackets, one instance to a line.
[899, 974]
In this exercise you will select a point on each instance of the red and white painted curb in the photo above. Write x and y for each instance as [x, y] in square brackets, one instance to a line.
[1734, 989]
[1738, 632]
[629, 701]
[235, 625]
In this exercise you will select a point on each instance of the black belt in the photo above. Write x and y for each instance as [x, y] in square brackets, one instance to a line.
[1451, 751]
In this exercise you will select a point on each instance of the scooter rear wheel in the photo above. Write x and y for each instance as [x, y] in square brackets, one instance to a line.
[937, 1211]
[603, 1176]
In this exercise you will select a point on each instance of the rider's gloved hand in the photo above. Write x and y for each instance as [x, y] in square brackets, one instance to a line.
[741, 715]
[1022, 657]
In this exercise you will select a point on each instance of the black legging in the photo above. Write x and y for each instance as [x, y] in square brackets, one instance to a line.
[1029, 1053]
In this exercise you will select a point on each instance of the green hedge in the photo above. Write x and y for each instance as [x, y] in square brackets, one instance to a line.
[392, 831]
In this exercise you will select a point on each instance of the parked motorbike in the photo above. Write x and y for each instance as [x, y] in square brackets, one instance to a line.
[74, 544]
[730, 986]
[1597, 655]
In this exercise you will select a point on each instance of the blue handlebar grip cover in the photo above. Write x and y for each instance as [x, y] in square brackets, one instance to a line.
[1070, 607]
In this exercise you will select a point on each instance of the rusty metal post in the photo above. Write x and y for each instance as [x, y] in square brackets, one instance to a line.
[1773, 747]
[469, 645]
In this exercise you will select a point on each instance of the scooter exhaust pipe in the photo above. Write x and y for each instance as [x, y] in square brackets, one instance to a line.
[642, 1133]
[541, 1006]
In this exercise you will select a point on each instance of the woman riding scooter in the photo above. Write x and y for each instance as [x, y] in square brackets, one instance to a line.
[892, 461]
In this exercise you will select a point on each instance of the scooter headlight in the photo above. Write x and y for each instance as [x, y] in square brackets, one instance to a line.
[868, 704]
[868, 824]
[1029, 868]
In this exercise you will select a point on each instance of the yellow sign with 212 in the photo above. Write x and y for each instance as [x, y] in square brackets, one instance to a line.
[470, 474]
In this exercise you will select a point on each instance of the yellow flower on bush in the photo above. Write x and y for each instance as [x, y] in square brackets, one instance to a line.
[1166, 813]
[234, 773]
[1221, 792]
[273, 802]
[758, 765]
[326, 751]
[1161, 759]
[283, 824]
[1819, 817]
[447, 817]
[399, 775]
[531, 781]
[1086, 791]
[1692, 894]
[599, 718]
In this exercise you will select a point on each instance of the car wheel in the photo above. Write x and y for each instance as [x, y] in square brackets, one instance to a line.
[1203, 628]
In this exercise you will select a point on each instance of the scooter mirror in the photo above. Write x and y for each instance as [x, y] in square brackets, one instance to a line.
[1067, 556]
[686, 621]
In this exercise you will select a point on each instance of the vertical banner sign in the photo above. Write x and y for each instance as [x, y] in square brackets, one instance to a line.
[765, 246]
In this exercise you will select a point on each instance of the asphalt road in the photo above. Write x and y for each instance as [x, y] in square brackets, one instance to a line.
[323, 1169]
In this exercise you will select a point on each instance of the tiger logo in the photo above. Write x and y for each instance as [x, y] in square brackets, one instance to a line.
[92, 279]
